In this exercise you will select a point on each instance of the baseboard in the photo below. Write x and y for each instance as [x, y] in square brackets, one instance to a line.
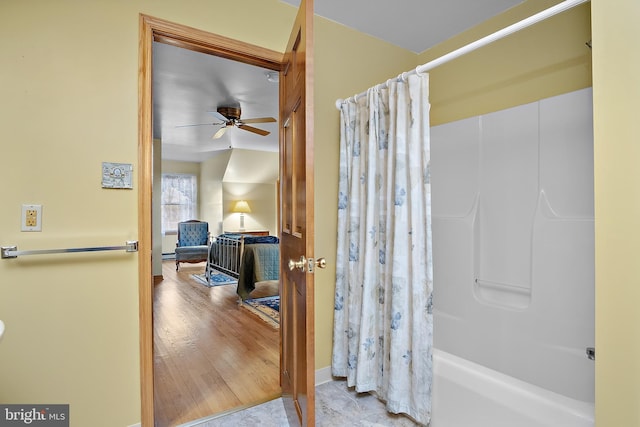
[136, 425]
[323, 375]
[157, 279]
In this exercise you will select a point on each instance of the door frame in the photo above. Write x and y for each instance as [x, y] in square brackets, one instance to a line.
[154, 29]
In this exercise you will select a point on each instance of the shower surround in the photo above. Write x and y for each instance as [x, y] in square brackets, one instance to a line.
[513, 246]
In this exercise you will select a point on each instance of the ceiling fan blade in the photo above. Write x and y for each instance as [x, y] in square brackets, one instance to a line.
[200, 124]
[259, 120]
[219, 116]
[254, 130]
[219, 133]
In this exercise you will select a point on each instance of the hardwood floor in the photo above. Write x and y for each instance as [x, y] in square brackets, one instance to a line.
[210, 355]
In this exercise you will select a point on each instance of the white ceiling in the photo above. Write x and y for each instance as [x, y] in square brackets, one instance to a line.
[187, 85]
[415, 25]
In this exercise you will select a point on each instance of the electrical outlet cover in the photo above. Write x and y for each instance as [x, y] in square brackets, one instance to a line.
[31, 219]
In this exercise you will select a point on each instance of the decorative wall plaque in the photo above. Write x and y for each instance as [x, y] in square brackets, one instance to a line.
[116, 175]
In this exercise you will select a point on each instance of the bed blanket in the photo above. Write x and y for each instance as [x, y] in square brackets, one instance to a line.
[260, 262]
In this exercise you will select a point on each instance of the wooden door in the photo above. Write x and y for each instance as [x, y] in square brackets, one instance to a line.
[297, 222]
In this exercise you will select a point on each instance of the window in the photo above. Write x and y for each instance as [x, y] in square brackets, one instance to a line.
[179, 200]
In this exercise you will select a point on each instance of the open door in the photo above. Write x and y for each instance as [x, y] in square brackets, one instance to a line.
[297, 222]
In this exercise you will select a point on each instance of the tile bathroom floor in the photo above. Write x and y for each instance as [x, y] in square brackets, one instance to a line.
[336, 405]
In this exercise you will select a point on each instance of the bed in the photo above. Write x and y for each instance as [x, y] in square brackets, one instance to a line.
[250, 259]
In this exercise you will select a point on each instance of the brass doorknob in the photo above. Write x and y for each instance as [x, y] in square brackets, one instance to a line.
[321, 263]
[297, 264]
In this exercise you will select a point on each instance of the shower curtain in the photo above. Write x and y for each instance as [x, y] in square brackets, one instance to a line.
[383, 323]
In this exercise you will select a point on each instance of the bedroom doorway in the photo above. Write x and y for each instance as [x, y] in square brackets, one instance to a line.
[195, 40]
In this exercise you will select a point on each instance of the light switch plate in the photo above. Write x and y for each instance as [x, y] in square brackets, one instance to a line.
[31, 219]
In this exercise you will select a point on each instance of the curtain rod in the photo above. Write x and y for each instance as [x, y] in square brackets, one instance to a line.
[533, 19]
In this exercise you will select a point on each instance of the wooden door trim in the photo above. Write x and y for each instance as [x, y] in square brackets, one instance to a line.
[154, 29]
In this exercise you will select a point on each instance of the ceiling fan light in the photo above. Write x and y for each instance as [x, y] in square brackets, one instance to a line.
[219, 133]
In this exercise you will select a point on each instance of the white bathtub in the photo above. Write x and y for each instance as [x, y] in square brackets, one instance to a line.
[466, 394]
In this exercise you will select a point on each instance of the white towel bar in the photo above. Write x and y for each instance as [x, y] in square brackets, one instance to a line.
[13, 252]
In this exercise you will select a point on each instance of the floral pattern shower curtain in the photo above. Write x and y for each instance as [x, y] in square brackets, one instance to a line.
[383, 328]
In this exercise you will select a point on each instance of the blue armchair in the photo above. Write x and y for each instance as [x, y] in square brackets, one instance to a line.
[192, 245]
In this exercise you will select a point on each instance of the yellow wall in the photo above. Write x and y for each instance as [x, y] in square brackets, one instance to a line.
[544, 60]
[251, 176]
[616, 94]
[69, 87]
[262, 202]
[212, 200]
[174, 166]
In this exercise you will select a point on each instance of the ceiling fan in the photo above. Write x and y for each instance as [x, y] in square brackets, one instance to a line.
[230, 117]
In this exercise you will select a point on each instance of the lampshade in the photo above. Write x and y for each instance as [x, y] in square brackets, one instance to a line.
[242, 206]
